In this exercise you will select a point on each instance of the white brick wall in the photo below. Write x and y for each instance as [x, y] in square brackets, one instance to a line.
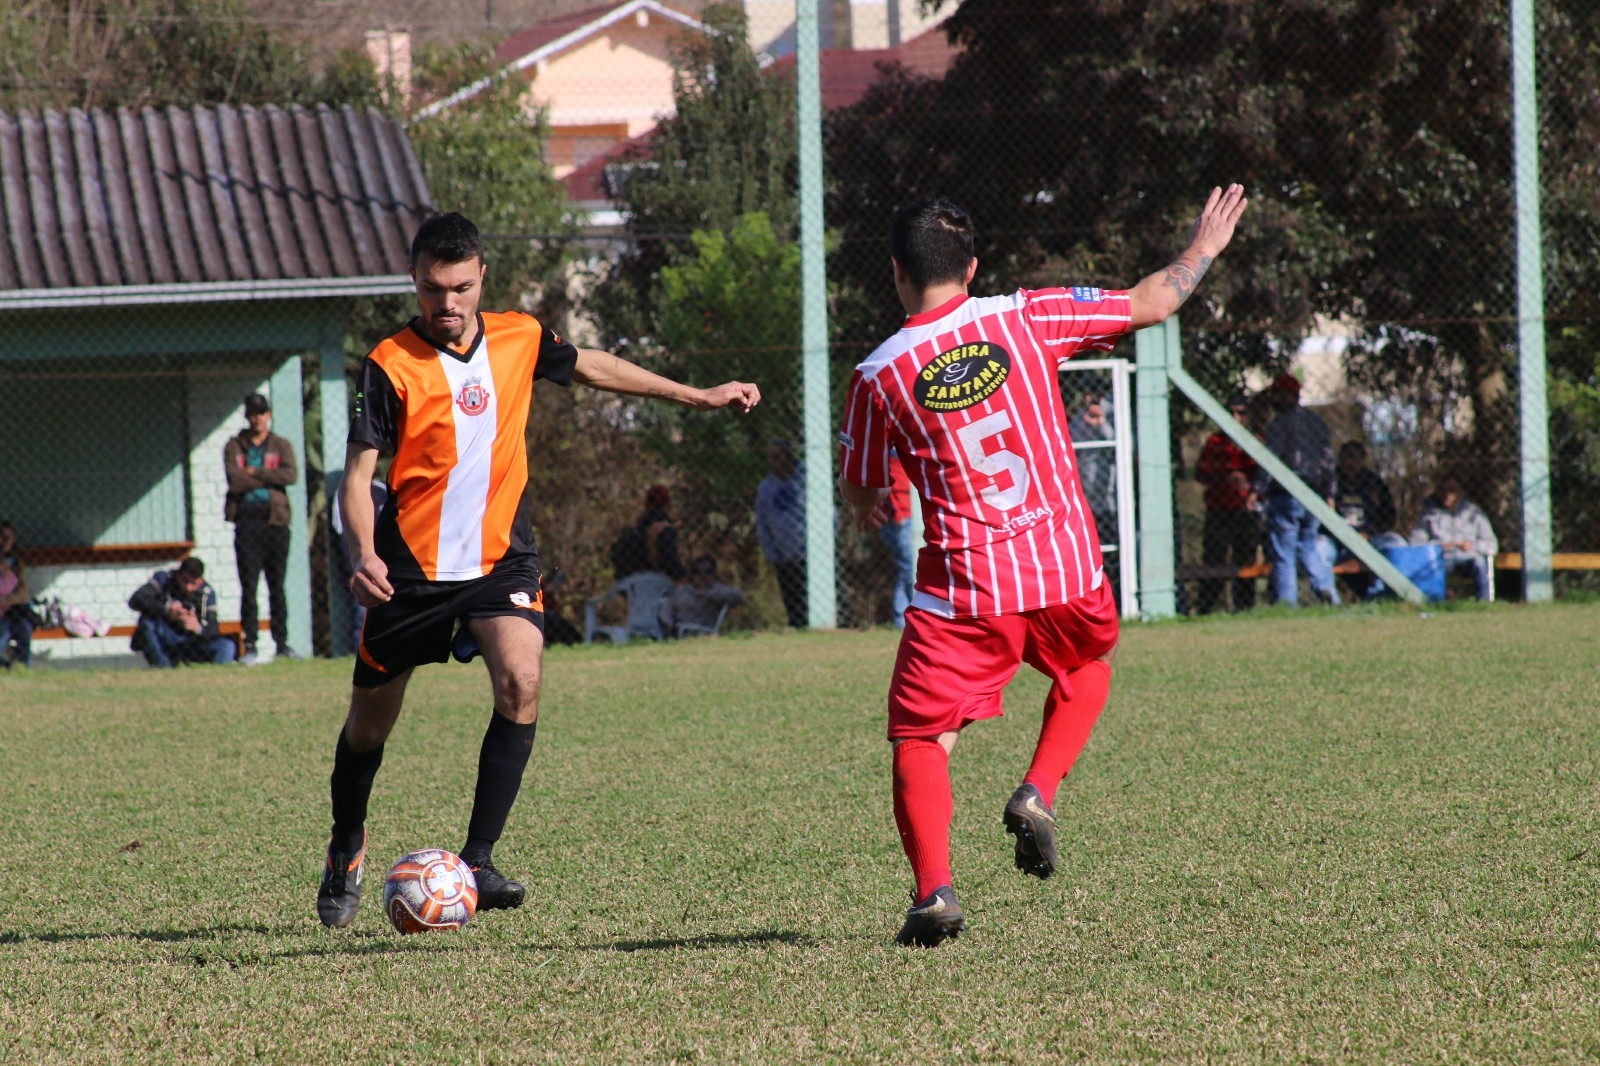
[216, 412]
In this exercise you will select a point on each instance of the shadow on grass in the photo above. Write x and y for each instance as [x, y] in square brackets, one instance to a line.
[153, 936]
[696, 943]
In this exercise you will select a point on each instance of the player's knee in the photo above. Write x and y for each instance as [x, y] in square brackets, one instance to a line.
[517, 696]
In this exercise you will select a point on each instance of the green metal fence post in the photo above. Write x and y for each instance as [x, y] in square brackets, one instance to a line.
[289, 420]
[334, 393]
[820, 559]
[1536, 535]
[1153, 444]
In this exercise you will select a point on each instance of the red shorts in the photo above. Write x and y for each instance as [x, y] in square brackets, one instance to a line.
[951, 671]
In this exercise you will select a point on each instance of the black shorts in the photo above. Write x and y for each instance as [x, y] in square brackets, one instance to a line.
[425, 623]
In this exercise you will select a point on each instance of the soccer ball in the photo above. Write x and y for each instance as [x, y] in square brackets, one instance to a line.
[428, 891]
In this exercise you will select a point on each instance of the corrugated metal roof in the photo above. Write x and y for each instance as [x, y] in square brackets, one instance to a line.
[204, 195]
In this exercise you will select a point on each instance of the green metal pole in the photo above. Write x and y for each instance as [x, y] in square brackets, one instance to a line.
[1536, 579]
[820, 558]
[1153, 443]
[289, 420]
[334, 396]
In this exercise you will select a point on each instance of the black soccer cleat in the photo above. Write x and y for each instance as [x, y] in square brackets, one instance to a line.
[1030, 821]
[932, 921]
[496, 892]
[340, 895]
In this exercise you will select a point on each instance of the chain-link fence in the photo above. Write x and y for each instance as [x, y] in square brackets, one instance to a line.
[1376, 266]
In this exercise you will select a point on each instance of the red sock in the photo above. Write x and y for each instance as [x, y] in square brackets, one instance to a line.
[1067, 722]
[922, 809]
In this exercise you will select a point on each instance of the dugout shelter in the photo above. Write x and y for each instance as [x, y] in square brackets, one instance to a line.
[157, 266]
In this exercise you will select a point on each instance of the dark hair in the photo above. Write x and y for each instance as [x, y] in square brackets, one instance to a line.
[192, 567]
[448, 238]
[932, 242]
[1353, 447]
[256, 404]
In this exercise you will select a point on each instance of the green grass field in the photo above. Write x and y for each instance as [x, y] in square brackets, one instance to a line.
[1360, 837]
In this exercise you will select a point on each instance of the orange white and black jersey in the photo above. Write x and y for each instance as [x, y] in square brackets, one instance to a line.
[458, 423]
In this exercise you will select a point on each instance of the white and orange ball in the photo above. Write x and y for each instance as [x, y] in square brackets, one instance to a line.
[428, 891]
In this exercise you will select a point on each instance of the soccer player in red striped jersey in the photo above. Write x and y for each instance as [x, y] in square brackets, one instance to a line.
[966, 394]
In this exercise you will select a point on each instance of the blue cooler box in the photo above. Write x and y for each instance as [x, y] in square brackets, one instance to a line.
[1422, 563]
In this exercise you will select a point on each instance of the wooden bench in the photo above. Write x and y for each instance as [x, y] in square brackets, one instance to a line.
[226, 629]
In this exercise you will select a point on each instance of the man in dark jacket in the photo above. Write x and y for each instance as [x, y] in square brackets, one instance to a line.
[178, 618]
[260, 466]
[1301, 439]
[1362, 498]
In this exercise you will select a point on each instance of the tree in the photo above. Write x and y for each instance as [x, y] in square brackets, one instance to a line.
[485, 158]
[1374, 138]
[714, 327]
[156, 53]
[728, 150]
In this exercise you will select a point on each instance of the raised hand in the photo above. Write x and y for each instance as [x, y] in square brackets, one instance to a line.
[1214, 228]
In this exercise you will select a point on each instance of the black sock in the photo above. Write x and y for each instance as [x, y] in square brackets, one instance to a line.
[501, 760]
[351, 784]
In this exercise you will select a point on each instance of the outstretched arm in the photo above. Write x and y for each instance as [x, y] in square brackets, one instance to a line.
[608, 373]
[1162, 293]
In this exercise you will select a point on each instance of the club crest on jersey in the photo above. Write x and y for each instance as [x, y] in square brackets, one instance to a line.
[473, 399]
[963, 376]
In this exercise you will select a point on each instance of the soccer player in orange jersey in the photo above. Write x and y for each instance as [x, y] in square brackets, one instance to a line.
[449, 565]
[967, 396]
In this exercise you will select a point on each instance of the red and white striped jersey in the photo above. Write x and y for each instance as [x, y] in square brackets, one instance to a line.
[968, 395]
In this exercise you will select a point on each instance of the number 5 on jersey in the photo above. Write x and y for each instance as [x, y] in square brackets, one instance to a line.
[972, 435]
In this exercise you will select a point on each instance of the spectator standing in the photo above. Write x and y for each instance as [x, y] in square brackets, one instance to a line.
[260, 466]
[896, 536]
[1232, 533]
[781, 526]
[178, 618]
[1300, 438]
[1461, 529]
[698, 601]
[651, 543]
[1097, 467]
[16, 619]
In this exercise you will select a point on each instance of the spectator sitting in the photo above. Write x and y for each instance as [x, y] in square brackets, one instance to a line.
[651, 543]
[16, 618]
[701, 599]
[178, 618]
[1362, 498]
[1461, 529]
[1232, 533]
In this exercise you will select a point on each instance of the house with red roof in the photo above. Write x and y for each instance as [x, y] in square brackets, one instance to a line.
[602, 75]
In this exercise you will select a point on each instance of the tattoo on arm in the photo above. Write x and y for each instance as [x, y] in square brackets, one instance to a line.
[1184, 274]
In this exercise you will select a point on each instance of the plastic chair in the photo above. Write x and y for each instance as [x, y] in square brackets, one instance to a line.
[695, 629]
[647, 592]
